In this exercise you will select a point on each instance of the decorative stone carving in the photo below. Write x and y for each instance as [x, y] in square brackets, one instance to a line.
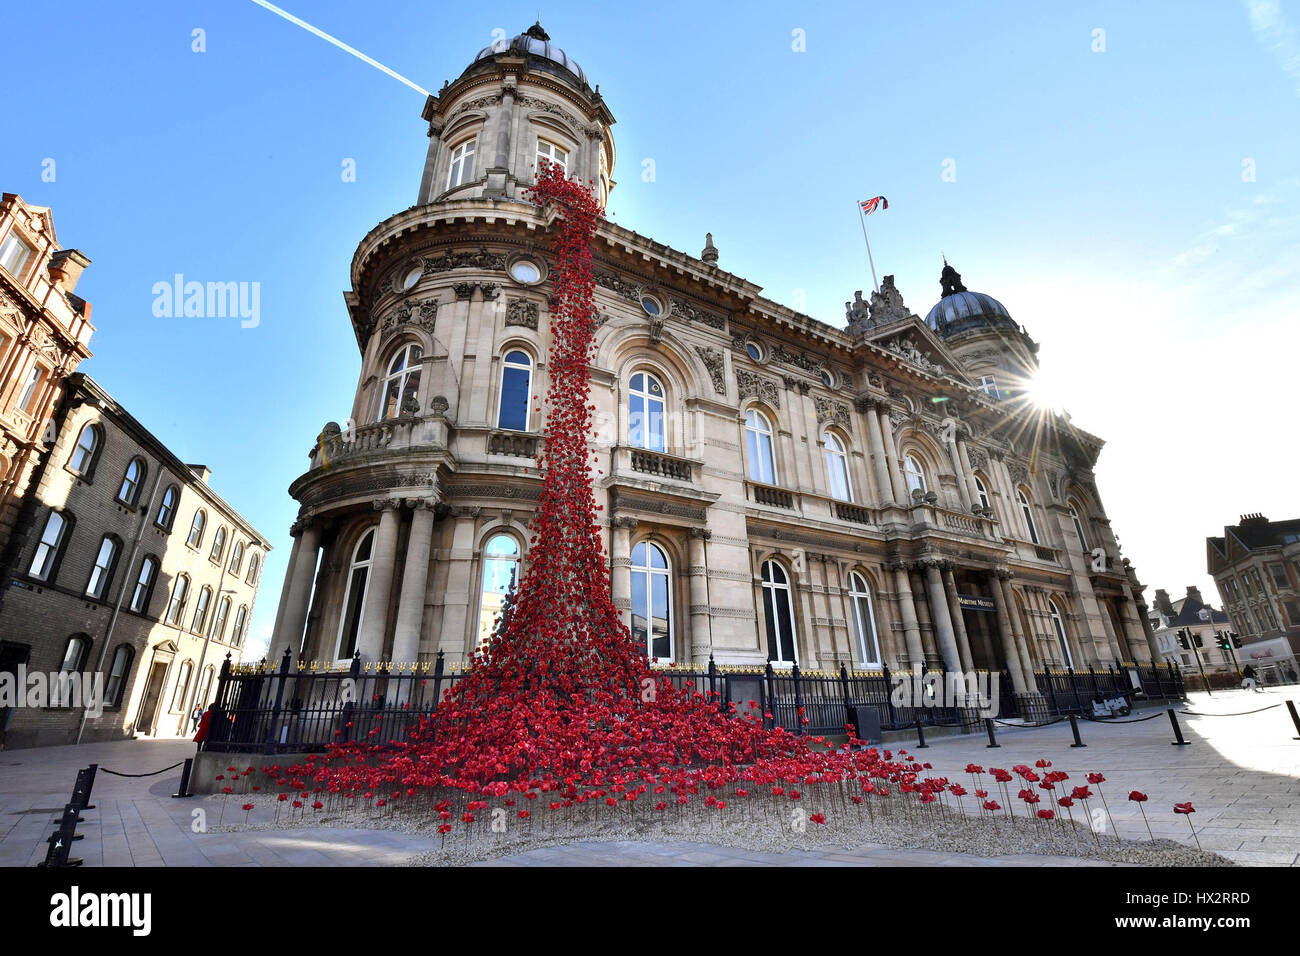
[904, 347]
[410, 405]
[482, 259]
[738, 341]
[481, 102]
[710, 253]
[713, 361]
[522, 312]
[624, 521]
[490, 290]
[617, 284]
[532, 103]
[464, 289]
[421, 314]
[831, 411]
[439, 405]
[800, 360]
[386, 504]
[979, 460]
[1018, 471]
[887, 304]
[656, 327]
[704, 533]
[692, 314]
[751, 385]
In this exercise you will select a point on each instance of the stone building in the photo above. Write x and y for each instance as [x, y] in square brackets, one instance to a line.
[1256, 567]
[134, 568]
[45, 334]
[1168, 617]
[775, 488]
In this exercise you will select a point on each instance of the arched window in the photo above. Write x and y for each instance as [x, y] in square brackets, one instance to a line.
[201, 606]
[758, 443]
[915, 474]
[144, 584]
[236, 557]
[219, 625]
[86, 451]
[778, 614]
[516, 391]
[176, 606]
[218, 545]
[1058, 625]
[500, 574]
[550, 153]
[645, 420]
[75, 653]
[837, 463]
[196, 528]
[50, 548]
[129, 493]
[102, 573]
[652, 602]
[182, 685]
[167, 510]
[118, 672]
[1027, 510]
[400, 395]
[461, 168]
[864, 620]
[205, 687]
[253, 563]
[982, 491]
[1078, 526]
[354, 597]
[241, 622]
[28, 397]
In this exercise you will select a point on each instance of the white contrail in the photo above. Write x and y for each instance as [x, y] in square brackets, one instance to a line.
[340, 44]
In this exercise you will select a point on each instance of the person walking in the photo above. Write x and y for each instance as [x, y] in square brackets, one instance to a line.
[1248, 679]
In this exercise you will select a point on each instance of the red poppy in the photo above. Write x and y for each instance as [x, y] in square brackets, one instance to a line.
[1137, 796]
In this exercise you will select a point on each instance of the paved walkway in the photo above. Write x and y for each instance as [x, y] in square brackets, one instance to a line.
[1241, 773]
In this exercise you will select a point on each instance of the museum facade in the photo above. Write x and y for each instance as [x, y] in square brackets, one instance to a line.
[773, 488]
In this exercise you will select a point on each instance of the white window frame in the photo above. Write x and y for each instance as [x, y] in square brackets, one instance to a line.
[99, 574]
[460, 168]
[650, 433]
[47, 551]
[1078, 526]
[1058, 624]
[515, 560]
[914, 474]
[28, 394]
[1027, 512]
[411, 356]
[837, 464]
[527, 366]
[175, 615]
[982, 492]
[647, 569]
[864, 620]
[772, 591]
[548, 152]
[143, 587]
[760, 447]
[353, 565]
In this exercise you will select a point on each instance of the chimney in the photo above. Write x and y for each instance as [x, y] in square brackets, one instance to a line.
[66, 267]
[1162, 603]
[1194, 594]
[201, 472]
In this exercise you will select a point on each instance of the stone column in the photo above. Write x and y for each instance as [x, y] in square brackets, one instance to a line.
[941, 614]
[462, 592]
[700, 636]
[878, 457]
[924, 617]
[963, 486]
[415, 578]
[964, 457]
[1112, 642]
[958, 621]
[374, 619]
[1010, 653]
[1018, 628]
[891, 457]
[292, 617]
[621, 567]
[907, 610]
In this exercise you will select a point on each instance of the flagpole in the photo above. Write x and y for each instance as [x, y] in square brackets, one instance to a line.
[863, 220]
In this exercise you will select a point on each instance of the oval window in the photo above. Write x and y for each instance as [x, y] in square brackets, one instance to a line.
[753, 351]
[525, 271]
[651, 305]
[411, 278]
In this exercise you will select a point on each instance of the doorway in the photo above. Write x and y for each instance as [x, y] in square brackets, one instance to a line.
[12, 656]
[152, 695]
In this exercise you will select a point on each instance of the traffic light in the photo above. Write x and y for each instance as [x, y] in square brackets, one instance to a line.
[1223, 642]
[1236, 641]
[1200, 642]
[1183, 642]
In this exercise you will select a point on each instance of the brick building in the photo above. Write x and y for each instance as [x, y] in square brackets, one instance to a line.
[1168, 617]
[1256, 567]
[775, 487]
[45, 334]
[133, 567]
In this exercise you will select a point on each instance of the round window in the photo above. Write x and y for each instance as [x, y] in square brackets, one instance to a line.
[411, 278]
[526, 271]
[827, 380]
[753, 351]
[651, 305]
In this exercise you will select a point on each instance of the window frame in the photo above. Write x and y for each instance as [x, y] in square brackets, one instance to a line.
[198, 527]
[28, 394]
[985, 500]
[236, 558]
[1077, 518]
[183, 677]
[839, 455]
[104, 572]
[508, 365]
[254, 565]
[371, 533]
[239, 632]
[486, 557]
[855, 603]
[457, 168]
[540, 156]
[55, 550]
[771, 589]
[649, 572]
[114, 692]
[86, 470]
[217, 553]
[1027, 512]
[133, 498]
[642, 431]
[175, 613]
[411, 354]
[174, 492]
[147, 596]
[912, 459]
[758, 439]
[199, 622]
[1058, 625]
[79, 664]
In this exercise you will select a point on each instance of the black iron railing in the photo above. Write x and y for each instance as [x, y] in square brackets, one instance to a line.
[265, 710]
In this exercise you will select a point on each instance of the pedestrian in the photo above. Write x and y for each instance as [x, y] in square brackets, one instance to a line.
[1290, 674]
[204, 724]
[1248, 680]
[195, 716]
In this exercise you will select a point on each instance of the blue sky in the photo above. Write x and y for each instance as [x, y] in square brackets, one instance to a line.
[1099, 195]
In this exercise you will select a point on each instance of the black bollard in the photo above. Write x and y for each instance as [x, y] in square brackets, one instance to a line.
[1074, 728]
[184, 789]
[993, 741]
[920, 734]
[1178, 740]
[1295, 718]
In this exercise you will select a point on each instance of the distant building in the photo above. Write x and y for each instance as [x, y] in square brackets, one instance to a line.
[1256, 566]
[45, 334]
[131, 566]
[1169, 617]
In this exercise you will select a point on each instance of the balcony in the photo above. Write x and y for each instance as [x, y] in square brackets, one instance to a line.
[515, 444]
[771, 495]
[857, 514]
[658, 465]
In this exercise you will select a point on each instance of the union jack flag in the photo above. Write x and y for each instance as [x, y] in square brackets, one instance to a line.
[870, 205]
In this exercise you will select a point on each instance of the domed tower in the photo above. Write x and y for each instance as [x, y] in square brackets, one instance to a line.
[994, 348]
[518, 104]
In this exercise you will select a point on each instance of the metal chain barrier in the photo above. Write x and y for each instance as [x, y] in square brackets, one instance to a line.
[153, 774]
[1192, 713]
